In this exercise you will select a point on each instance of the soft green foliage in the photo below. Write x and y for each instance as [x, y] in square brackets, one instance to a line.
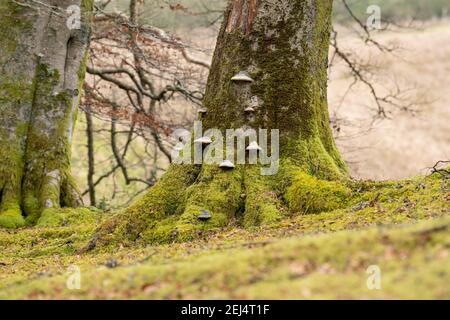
[262, 204]
[29, 251]
[169, 211]
[217, 191]
[161, 202]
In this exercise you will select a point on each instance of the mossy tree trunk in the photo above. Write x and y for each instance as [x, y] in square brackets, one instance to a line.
[283, 46]
[42, 58]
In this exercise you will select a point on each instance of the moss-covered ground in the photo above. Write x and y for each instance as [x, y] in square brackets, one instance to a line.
[401, 227]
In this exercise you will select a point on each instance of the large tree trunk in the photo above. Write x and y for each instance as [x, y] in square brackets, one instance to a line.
[283, 46]
[42, 69]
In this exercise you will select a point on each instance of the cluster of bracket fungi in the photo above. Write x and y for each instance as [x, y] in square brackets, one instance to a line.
[243, 80]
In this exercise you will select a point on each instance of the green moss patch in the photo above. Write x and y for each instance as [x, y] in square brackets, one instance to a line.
[307, 194]
[67, 216]
[12, 219]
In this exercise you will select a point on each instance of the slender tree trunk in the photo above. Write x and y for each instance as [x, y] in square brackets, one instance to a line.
[91, 158]
[42, 68]
[283, 47]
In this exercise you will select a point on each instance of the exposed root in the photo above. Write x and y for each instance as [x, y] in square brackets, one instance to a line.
[70, 195]
[55, 191]
[10, 211]
[262, 205]
[12, 218]
[20, 206]
[307, 194]
[217, 192]
[160, 202]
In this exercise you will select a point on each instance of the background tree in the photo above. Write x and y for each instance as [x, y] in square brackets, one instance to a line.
[283, 46]
[42, 56]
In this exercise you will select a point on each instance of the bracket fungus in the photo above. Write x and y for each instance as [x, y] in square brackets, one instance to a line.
[202, 111]
[204, 215]
[242, 76]
[226, 164]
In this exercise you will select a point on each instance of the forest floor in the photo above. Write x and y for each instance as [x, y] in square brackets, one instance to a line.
[399, 229]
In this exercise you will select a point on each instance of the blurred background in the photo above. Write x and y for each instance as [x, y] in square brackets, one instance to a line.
[389, 90]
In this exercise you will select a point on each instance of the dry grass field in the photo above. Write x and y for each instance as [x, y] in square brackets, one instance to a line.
[407, 144]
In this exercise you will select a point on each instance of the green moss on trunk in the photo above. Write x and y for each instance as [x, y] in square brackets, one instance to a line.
[16, 92]
[286, 52]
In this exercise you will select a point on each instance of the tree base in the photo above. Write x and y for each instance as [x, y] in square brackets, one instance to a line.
[25, 206]
[172, 210]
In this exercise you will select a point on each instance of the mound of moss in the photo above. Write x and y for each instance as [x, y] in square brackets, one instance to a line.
[412, 263]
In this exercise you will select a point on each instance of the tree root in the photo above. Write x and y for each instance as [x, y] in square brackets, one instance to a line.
[216, 192]
[262, 204]
[20, 206]
[54, 191]
[160, 202]
[10, 193]
[11, 217]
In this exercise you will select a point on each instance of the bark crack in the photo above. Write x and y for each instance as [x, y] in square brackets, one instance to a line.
[242, 15]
